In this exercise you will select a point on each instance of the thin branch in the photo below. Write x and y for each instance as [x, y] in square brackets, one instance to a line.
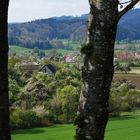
[128, 7]
[125, 2]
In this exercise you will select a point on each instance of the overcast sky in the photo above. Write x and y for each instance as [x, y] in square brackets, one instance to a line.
[27, 10]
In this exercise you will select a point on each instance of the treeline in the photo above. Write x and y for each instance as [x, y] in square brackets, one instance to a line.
[45, 33]
[39, 43]
[39, 33]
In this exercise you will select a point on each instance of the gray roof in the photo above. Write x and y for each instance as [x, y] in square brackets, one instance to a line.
[51, 67]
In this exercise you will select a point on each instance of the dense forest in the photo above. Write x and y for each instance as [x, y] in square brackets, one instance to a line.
[47, 33]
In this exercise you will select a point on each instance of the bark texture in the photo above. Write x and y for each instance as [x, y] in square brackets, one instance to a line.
[97, 71]
[4, 100]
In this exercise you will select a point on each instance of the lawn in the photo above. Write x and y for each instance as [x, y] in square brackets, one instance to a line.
[127, 128]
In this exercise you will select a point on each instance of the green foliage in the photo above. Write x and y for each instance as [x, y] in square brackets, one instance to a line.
[78, 120]
[34, 93]
[54, 99]
[123, 67]
[68, 98]
[38, 53]
[13, 60]
[86, 48]
[123, 98]
[40, 32]
[57, 44]
[14, 90]
[23, 119]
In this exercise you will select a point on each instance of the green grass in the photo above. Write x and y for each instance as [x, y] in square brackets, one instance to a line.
[18, 49]
[21, 50]
[127, 128]
[57, 132]
[123, 129]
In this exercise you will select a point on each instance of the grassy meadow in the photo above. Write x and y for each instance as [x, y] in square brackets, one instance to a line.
[17, 49]
[21, 50]
[123, 128]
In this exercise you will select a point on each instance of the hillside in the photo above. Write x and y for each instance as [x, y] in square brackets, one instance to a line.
[129, 26]
[39, 33]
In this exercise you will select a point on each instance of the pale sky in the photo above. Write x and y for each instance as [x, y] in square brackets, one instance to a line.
[27, 10]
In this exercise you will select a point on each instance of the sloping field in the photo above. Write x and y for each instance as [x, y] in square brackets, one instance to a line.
[18, 49]
[127, 128]
[133, 78]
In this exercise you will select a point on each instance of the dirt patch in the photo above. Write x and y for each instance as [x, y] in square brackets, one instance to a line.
[133, 78]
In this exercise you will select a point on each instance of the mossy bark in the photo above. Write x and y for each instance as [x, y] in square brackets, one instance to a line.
[4, 100]
[98, 70]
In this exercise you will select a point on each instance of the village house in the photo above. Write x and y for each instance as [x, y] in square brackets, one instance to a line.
[48, 68]
[137, 55]
[70, 58]
[125, 55]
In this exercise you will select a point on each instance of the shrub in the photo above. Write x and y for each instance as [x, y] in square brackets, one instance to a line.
[21, 119]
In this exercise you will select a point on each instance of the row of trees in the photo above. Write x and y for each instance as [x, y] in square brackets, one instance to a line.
[41, 44]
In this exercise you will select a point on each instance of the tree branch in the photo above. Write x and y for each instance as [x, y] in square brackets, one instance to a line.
[128, 7]
[125, 2]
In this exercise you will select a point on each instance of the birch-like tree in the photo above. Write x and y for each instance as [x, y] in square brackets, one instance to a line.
[98, 68]
[4, 99]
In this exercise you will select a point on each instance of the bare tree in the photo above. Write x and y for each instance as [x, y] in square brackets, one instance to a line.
[98, 69]
[4, 100]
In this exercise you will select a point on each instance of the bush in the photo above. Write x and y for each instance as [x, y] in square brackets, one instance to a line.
[24, 119]
[125, 107]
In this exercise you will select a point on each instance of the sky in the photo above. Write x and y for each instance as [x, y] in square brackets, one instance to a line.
[28, 10]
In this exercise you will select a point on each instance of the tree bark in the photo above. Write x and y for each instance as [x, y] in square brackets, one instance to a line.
[97, 71]
[4, 100]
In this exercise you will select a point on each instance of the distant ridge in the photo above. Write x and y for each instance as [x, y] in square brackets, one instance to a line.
[40, 32]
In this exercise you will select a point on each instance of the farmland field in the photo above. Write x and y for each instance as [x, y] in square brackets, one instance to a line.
[123, 128]
[135, 70]
[131, 77]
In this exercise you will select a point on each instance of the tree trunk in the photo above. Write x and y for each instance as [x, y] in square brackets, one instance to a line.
[4, 100]
[98, 70]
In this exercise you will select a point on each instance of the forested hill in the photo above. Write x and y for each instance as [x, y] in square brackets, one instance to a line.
[38, 33]
[129, 26]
